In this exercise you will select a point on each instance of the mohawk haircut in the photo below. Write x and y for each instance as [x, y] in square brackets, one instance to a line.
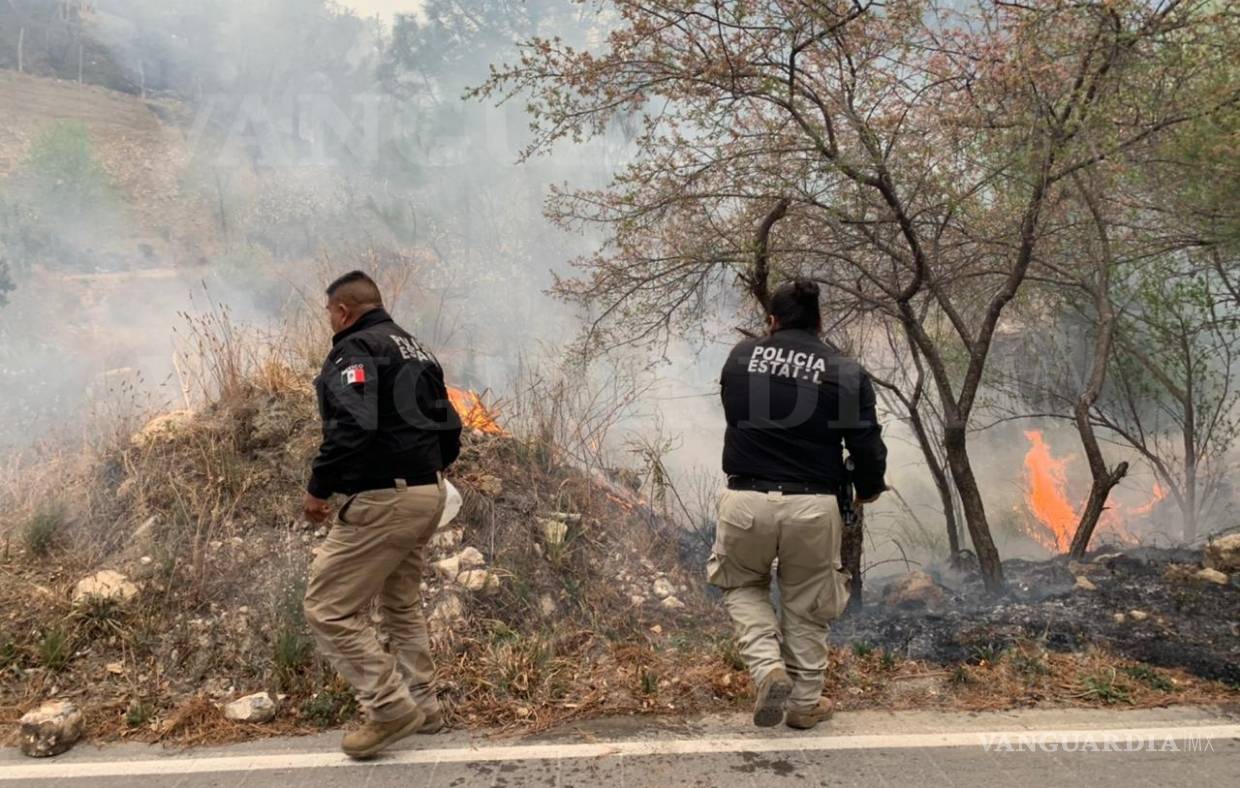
[355, 289]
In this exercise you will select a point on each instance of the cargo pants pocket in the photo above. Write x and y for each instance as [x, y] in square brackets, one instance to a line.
[733, 533]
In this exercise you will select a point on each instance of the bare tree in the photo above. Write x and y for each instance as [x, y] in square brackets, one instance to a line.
[917, 148]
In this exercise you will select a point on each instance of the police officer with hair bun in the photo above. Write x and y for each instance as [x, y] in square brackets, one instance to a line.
[793, 405]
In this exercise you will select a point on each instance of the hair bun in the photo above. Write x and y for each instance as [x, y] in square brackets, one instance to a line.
[806, 287]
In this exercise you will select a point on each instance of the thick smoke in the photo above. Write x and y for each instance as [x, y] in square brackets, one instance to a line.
[240, 152]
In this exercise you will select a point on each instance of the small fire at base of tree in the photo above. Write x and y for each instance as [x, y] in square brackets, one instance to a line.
[1055, 515]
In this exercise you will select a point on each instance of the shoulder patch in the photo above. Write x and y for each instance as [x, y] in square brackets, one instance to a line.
[353, 374]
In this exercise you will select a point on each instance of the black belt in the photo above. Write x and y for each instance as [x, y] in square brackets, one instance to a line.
[787, 488]
[367, 485]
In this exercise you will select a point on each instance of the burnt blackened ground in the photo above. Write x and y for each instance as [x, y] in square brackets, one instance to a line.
[1179, 622]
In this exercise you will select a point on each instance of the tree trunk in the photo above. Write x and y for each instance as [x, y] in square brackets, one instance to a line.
[851, 545]
[1099, 491]
[1190, 504]
[759, 276]
[1103, 480]
[941, 484]
[974, 509]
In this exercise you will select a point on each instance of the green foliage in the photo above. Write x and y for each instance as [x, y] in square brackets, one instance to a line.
[1171, 391]
[887, 660]
[55, 649]
[729, 652]
[1033, 665]
[986, 653]
[292, 648]
[290, 654]
[138, 713]
[43, 527]
[650, 682]
[1104, 688]
[960, 676]
[100, 616]
[862, 649]
[9, 655]
[330, 707]
[67, 175]
[1150, 677]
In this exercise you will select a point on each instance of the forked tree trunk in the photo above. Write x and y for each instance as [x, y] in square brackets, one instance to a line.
[1099, 491]
[1103, 479]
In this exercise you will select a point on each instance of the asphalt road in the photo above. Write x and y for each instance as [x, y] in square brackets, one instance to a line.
[1192, 747]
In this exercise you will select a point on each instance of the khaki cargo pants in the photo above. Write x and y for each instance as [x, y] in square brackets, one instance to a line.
[377, 547]
[803, 532]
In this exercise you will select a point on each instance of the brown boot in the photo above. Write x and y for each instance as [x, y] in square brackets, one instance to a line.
[804, 719]
[372, 737]
[773, 690]
[434, 721]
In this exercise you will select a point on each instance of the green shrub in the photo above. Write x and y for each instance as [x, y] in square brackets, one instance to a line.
[650, 682]
[55, 649]
[986, 653]
[1104, 688]
[730, 652]
[1150, 677]
[43, 527]
[67, 173]
[292, 652]
[862, 649]
[330, 707]
[100, 616]
[1031, 665]
[138, 713]
[9, 655]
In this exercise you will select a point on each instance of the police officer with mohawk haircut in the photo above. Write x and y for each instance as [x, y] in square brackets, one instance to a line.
[793, 404]
[389, 431]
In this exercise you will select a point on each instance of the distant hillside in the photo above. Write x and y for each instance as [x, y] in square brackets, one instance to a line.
[56, 38]
[144, 161]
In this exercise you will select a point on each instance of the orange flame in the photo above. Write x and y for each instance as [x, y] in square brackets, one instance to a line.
[1047, 497]
[474, 414]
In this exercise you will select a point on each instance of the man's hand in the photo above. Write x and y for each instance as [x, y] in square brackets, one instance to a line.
[859, 501]
[316, 510]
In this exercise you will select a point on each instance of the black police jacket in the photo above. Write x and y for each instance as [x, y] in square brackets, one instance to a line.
[385, 410]
[793, 404]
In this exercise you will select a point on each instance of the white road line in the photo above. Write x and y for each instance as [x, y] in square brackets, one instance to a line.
[194, 764]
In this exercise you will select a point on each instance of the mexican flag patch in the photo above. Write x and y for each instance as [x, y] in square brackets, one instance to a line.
[353, 374]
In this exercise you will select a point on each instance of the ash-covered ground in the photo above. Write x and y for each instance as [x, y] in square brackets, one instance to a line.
[1144, 604]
